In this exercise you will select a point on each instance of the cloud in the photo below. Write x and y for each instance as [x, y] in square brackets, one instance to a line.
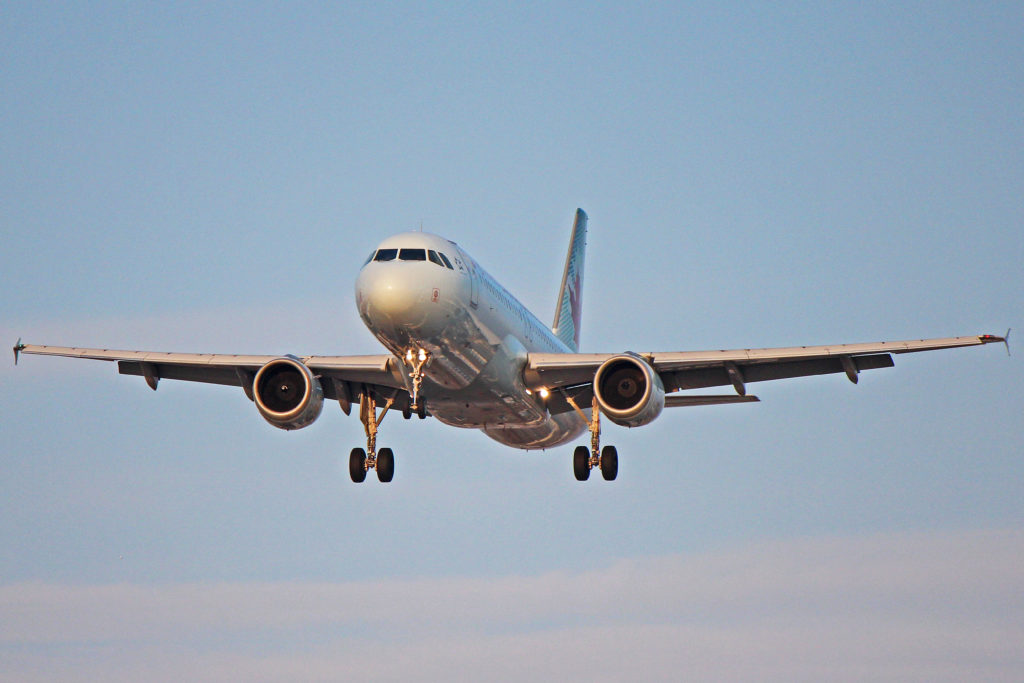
[898, 607]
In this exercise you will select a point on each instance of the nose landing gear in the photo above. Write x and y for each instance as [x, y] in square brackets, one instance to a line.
[416, 359]
[584, 459]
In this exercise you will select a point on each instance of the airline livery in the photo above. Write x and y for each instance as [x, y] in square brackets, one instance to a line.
[464, 351]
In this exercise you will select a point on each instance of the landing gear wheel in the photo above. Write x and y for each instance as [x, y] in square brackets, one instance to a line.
[357, 465]
[609, 463]
[581, 463]
[421, 409]
[385, 465]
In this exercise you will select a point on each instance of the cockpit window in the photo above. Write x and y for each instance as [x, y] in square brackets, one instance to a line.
[369, 258]
[413, 255]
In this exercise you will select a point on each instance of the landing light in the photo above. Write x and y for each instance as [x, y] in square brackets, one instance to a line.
[423, 355]
[543, 393]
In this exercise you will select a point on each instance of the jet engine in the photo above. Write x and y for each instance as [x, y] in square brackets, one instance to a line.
[629, 391]
[287, 394]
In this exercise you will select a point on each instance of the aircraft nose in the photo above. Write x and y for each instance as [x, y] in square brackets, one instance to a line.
[393, 298]
[388, 294]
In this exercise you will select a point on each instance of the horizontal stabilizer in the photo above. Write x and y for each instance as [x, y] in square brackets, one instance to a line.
[683, 401]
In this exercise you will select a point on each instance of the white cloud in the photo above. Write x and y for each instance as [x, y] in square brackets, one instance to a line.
[897, 607]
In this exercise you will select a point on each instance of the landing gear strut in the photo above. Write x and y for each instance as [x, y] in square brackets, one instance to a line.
[584, 460]
[360, 461]
[417, 360]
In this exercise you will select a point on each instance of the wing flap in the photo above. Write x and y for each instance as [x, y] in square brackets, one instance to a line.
[718, 376]
[687, 401]
[210, 374]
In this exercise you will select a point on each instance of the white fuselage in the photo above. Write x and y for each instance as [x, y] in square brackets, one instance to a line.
[477, 337]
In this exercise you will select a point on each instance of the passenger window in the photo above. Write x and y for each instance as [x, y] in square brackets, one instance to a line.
[445, 259]
[434, 258]
[369, 258]
[413, 255]
[386, 254]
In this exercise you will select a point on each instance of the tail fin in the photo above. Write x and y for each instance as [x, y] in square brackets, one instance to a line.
[569, 309]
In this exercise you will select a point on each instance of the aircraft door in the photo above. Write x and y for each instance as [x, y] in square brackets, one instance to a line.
[468, 266]
[474, 285]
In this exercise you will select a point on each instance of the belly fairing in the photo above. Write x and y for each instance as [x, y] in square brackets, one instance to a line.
[497, 402]
[495, 396]
[554, 431]
[506, 420]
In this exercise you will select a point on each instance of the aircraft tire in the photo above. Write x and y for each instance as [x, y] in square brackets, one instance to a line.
[609, 463]
[385, 465]
[357, 465]
[581, 463]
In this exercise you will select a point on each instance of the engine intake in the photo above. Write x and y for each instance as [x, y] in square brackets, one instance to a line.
[629, 391]
[287, 394]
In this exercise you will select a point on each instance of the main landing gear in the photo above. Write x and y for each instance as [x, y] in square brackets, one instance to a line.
[585, 459]
[360, 461]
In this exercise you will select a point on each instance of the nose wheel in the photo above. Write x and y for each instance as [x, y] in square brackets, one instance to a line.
[362, 461]
[585, 459]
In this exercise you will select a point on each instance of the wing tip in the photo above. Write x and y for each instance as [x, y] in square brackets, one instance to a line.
[995, 339]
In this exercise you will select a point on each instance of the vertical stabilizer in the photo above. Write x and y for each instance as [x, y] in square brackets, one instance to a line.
[569, 308]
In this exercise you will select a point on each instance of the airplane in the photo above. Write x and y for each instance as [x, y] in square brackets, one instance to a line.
[464, 351]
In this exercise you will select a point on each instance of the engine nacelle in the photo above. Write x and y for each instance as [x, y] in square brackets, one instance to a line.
[629, 391]
[287, 394]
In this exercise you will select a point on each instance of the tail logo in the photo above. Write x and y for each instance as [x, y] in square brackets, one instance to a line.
[569, 307]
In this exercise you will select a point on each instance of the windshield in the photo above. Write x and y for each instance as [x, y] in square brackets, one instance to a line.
[413, 255]
[435, 257]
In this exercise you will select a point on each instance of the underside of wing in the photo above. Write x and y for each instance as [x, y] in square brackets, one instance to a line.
[682, 370]
[342, 377]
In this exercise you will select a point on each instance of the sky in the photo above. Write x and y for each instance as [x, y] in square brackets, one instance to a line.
[209, 178]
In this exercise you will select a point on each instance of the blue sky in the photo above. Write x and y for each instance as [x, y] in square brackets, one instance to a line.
[209, 177]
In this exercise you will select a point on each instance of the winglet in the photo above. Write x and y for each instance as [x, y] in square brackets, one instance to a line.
[17, 350]
[991, 338]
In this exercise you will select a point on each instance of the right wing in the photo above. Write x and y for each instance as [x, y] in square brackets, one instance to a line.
[682, 370]
[342, 377]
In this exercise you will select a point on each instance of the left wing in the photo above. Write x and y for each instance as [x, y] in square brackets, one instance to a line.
[680, 370]
[342, 377]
